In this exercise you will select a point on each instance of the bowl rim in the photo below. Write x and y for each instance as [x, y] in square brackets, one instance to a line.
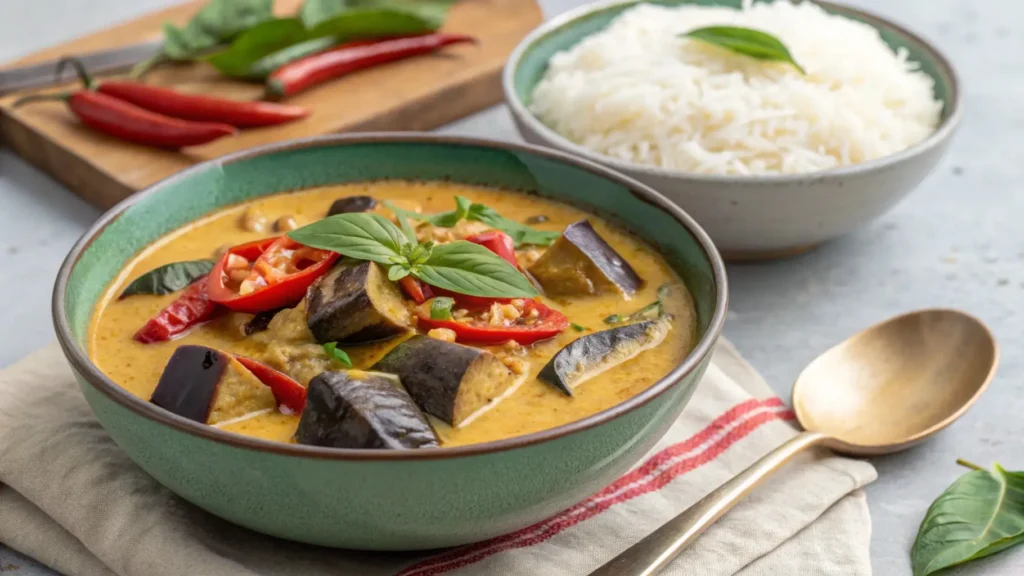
[942, 132]
[80, 361]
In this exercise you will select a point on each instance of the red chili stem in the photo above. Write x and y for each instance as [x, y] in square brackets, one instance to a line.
[196, 107]
[83, 73]
[318, 68]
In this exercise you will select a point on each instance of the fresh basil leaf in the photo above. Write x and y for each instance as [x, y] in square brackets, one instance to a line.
[314, 12]
[652, 311]
[217, 23]
[441, 308]
[462, 206]
[468, 268]
[169, 278]
[256, 43]
[520, 233]
[407, 229]
[745, 41]
[397, 272]
[978, 515]
[337, 354]
[432, 12]
[578, 328]
[442, 219]
[361, 235]
[372, 23]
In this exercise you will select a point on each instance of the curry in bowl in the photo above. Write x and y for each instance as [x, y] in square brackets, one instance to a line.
[393, 314]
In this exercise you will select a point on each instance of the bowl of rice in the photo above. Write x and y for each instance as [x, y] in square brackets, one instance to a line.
[772, 159]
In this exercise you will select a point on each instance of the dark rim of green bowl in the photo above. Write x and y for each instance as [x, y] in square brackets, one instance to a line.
[80, 361]
[944, 130]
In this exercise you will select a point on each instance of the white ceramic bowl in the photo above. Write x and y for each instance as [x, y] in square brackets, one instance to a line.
[752, 217]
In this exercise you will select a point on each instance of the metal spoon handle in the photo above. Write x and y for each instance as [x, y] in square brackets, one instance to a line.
[650, 555]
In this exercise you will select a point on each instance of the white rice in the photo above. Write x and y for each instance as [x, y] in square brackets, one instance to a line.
[639, 92]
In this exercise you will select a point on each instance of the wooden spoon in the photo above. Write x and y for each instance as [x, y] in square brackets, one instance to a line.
[881, 391]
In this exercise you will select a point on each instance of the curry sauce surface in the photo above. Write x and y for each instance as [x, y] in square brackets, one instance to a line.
[534, 406]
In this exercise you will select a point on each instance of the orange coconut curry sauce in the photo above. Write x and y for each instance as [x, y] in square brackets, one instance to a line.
[500, 394]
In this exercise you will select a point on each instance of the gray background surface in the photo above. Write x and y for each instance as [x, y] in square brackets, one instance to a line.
[958, 241]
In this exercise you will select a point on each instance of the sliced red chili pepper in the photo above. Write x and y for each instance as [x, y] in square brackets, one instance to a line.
[530, 327]
[192, 307]
[318, 68]
[202, 108]
[288, 393]
[277, 272]
[413, 288]
[498, 242]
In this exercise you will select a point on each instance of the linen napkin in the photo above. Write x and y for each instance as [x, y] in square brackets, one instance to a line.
[72, 500]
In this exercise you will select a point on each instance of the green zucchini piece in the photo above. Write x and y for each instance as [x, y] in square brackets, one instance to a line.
[448, 381]
[595, 353]
[358, 409]
[355, 303]
[580, 262]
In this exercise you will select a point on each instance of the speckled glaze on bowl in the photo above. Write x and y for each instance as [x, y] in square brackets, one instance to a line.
[385, 499]
[751, 217]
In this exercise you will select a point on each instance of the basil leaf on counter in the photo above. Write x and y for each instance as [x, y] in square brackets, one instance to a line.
[441, 308]
[169, 278]
[359, 235]
[218, 22]
[471, 269]
[978, 515]
[256, 43]
[337, 354]
[432, 12]
[745, 41]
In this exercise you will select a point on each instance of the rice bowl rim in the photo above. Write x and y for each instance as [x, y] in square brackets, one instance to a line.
[946, 127]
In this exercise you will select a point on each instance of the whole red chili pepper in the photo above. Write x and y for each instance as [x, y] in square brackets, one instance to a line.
[202, 108]
[302, 74]
[192, 307]
[129, 122]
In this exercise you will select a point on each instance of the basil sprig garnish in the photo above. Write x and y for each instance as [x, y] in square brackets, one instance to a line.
[460, 266]
[466, 210]
[652, 311]
[978, 515]
[441, 308]
[169, 278]
[745, 41]
[337, 354]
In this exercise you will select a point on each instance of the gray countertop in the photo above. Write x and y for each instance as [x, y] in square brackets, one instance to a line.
[957, 241]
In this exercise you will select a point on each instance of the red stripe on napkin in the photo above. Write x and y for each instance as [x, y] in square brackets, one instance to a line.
[654, 474]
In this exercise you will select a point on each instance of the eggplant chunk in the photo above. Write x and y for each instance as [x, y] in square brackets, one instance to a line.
[581, 262]
[595, 353]
[210, 386]
[355, 303]
[448, 381]
[357, 409]
[352, 204]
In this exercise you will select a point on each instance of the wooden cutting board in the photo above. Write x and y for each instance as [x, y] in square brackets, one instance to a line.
[416, 94]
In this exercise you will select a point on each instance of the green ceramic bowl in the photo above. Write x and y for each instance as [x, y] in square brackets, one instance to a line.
[381, 499]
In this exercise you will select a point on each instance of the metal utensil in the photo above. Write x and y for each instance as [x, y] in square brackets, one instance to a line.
[42, 74]
[880, 391]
